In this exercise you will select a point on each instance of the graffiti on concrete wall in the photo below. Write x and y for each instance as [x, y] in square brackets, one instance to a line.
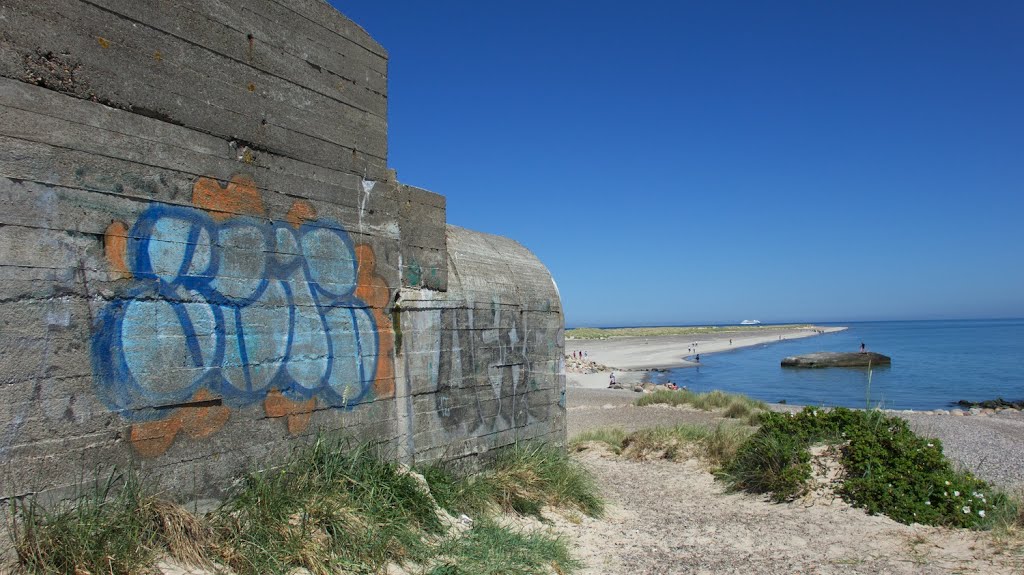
[484, 377]
[227, 307]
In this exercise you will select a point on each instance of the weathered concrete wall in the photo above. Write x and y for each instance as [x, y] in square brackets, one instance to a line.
[201, 251]
[484, 360]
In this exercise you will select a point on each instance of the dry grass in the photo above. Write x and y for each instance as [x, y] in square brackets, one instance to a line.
[685, 441]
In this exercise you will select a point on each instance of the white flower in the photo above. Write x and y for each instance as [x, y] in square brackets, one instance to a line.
[981, 513]
[927, 502]
[947, 483]
[966, 509]
[945, 493]
[930, 445]
[956, 494]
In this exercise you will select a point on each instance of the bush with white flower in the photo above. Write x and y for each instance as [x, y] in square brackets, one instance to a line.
[889, 469]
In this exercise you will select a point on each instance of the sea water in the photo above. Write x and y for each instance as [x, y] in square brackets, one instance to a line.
[934, 364]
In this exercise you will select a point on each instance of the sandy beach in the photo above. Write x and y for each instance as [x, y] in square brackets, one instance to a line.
[667, 517]
[630, 357]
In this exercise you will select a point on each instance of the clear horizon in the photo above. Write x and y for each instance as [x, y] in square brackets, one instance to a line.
[795, 322]
[687, 162]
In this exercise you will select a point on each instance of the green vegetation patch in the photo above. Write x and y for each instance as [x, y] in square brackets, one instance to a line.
[889, 469]
[714, 445]
[331, 508]
[522, 479]
[735, 406]
[112, 526]
[491, 549]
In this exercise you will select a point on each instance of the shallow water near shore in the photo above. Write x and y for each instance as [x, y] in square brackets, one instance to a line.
[934, 364]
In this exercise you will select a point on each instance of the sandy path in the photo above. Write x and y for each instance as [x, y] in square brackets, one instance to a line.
[675, 518]
[628, 357]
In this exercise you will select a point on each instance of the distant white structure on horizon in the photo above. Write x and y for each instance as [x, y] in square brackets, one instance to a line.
[750, 322]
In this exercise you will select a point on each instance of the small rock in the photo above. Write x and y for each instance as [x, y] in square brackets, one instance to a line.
[956, 412]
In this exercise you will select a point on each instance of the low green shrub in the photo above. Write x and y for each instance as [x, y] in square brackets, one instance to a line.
[888, 469]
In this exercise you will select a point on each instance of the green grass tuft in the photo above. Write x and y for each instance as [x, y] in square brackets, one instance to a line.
[490, 549]
[527, 477]
[113, 527]
[675, 443]
[330, 508]
[610, 436]
[735, 405]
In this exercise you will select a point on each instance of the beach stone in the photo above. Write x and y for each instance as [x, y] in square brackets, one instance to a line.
[956, 412]
[836, 359]
[638, 388]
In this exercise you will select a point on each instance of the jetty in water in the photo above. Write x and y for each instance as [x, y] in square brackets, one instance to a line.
[837, 359]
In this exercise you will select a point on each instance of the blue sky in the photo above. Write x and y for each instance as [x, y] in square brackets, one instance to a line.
[683, 162]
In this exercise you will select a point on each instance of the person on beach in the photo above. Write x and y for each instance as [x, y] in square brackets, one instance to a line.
[698, 358]
[611, 379]
[862, 347]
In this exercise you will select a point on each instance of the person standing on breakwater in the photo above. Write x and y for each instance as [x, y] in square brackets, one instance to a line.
[862, 347]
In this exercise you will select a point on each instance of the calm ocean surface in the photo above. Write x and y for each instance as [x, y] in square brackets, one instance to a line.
[934, 364]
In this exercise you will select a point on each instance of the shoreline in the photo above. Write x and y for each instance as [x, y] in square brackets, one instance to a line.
[631, 357]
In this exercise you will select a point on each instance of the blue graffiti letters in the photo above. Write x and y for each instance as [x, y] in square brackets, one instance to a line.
[236, 307]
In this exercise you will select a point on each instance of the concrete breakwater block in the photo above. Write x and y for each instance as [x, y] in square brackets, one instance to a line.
[836, 359]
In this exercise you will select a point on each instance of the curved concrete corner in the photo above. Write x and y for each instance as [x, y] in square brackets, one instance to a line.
[484, 360]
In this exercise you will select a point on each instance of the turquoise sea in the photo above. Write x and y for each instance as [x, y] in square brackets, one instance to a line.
[934, 364]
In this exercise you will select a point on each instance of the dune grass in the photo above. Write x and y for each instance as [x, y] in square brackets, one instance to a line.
[733, 405]
[613, 437]
[713, 445]
[332, 508]
[491, 549]
[522, 479]
[329, 509]
[110, 526]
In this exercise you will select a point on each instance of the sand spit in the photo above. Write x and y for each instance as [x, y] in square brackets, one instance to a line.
[630, 357]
